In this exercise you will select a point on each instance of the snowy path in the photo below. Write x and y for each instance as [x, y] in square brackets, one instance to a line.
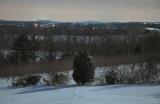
[114, 94]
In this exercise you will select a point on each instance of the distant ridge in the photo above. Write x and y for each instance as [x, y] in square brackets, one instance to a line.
[110, 24]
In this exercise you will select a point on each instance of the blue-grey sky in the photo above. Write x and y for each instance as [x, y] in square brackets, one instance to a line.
[79, 10]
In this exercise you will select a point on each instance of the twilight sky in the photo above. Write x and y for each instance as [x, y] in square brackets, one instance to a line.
[79, 10]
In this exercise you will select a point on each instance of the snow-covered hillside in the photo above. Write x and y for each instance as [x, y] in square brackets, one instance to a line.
[110, 94]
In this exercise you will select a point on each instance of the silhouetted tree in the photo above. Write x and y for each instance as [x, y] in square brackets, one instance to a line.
[21, 51]
[35, 46]
[83, 66]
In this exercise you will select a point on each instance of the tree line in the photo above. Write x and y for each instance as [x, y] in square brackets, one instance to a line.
[26, 44]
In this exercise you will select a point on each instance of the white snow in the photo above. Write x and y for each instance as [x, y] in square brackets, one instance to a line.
[152, 29]
[109, 94]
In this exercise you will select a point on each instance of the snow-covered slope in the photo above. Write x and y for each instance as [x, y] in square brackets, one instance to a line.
[111, 94]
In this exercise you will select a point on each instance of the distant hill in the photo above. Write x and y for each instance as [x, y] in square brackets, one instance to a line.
[109, 24]
[10, 22]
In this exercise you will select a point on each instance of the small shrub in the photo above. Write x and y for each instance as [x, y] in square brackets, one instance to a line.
[19, 82]
[150, 72]
[57, 78]
[111, 77]
[129, 75]
[100, 76]
[26, 80]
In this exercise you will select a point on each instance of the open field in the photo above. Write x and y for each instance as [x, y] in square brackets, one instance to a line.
[66, 65]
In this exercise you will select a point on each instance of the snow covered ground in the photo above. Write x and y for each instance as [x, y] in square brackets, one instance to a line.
[109, 94]
[152, 29]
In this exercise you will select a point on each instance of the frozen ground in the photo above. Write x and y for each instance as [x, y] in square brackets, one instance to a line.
[111, 94]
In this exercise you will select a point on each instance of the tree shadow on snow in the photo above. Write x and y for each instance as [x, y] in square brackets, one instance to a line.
[117, 86]
[44, 88]
[157, 95]
[11, 87]
[104, 87]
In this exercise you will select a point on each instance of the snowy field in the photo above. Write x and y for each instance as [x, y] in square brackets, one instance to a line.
[109, 94]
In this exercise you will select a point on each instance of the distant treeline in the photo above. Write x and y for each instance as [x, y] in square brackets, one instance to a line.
[41, 42]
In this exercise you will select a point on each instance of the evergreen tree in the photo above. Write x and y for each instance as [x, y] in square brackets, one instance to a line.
[35, 46]
[21, 51]
[83, 68]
